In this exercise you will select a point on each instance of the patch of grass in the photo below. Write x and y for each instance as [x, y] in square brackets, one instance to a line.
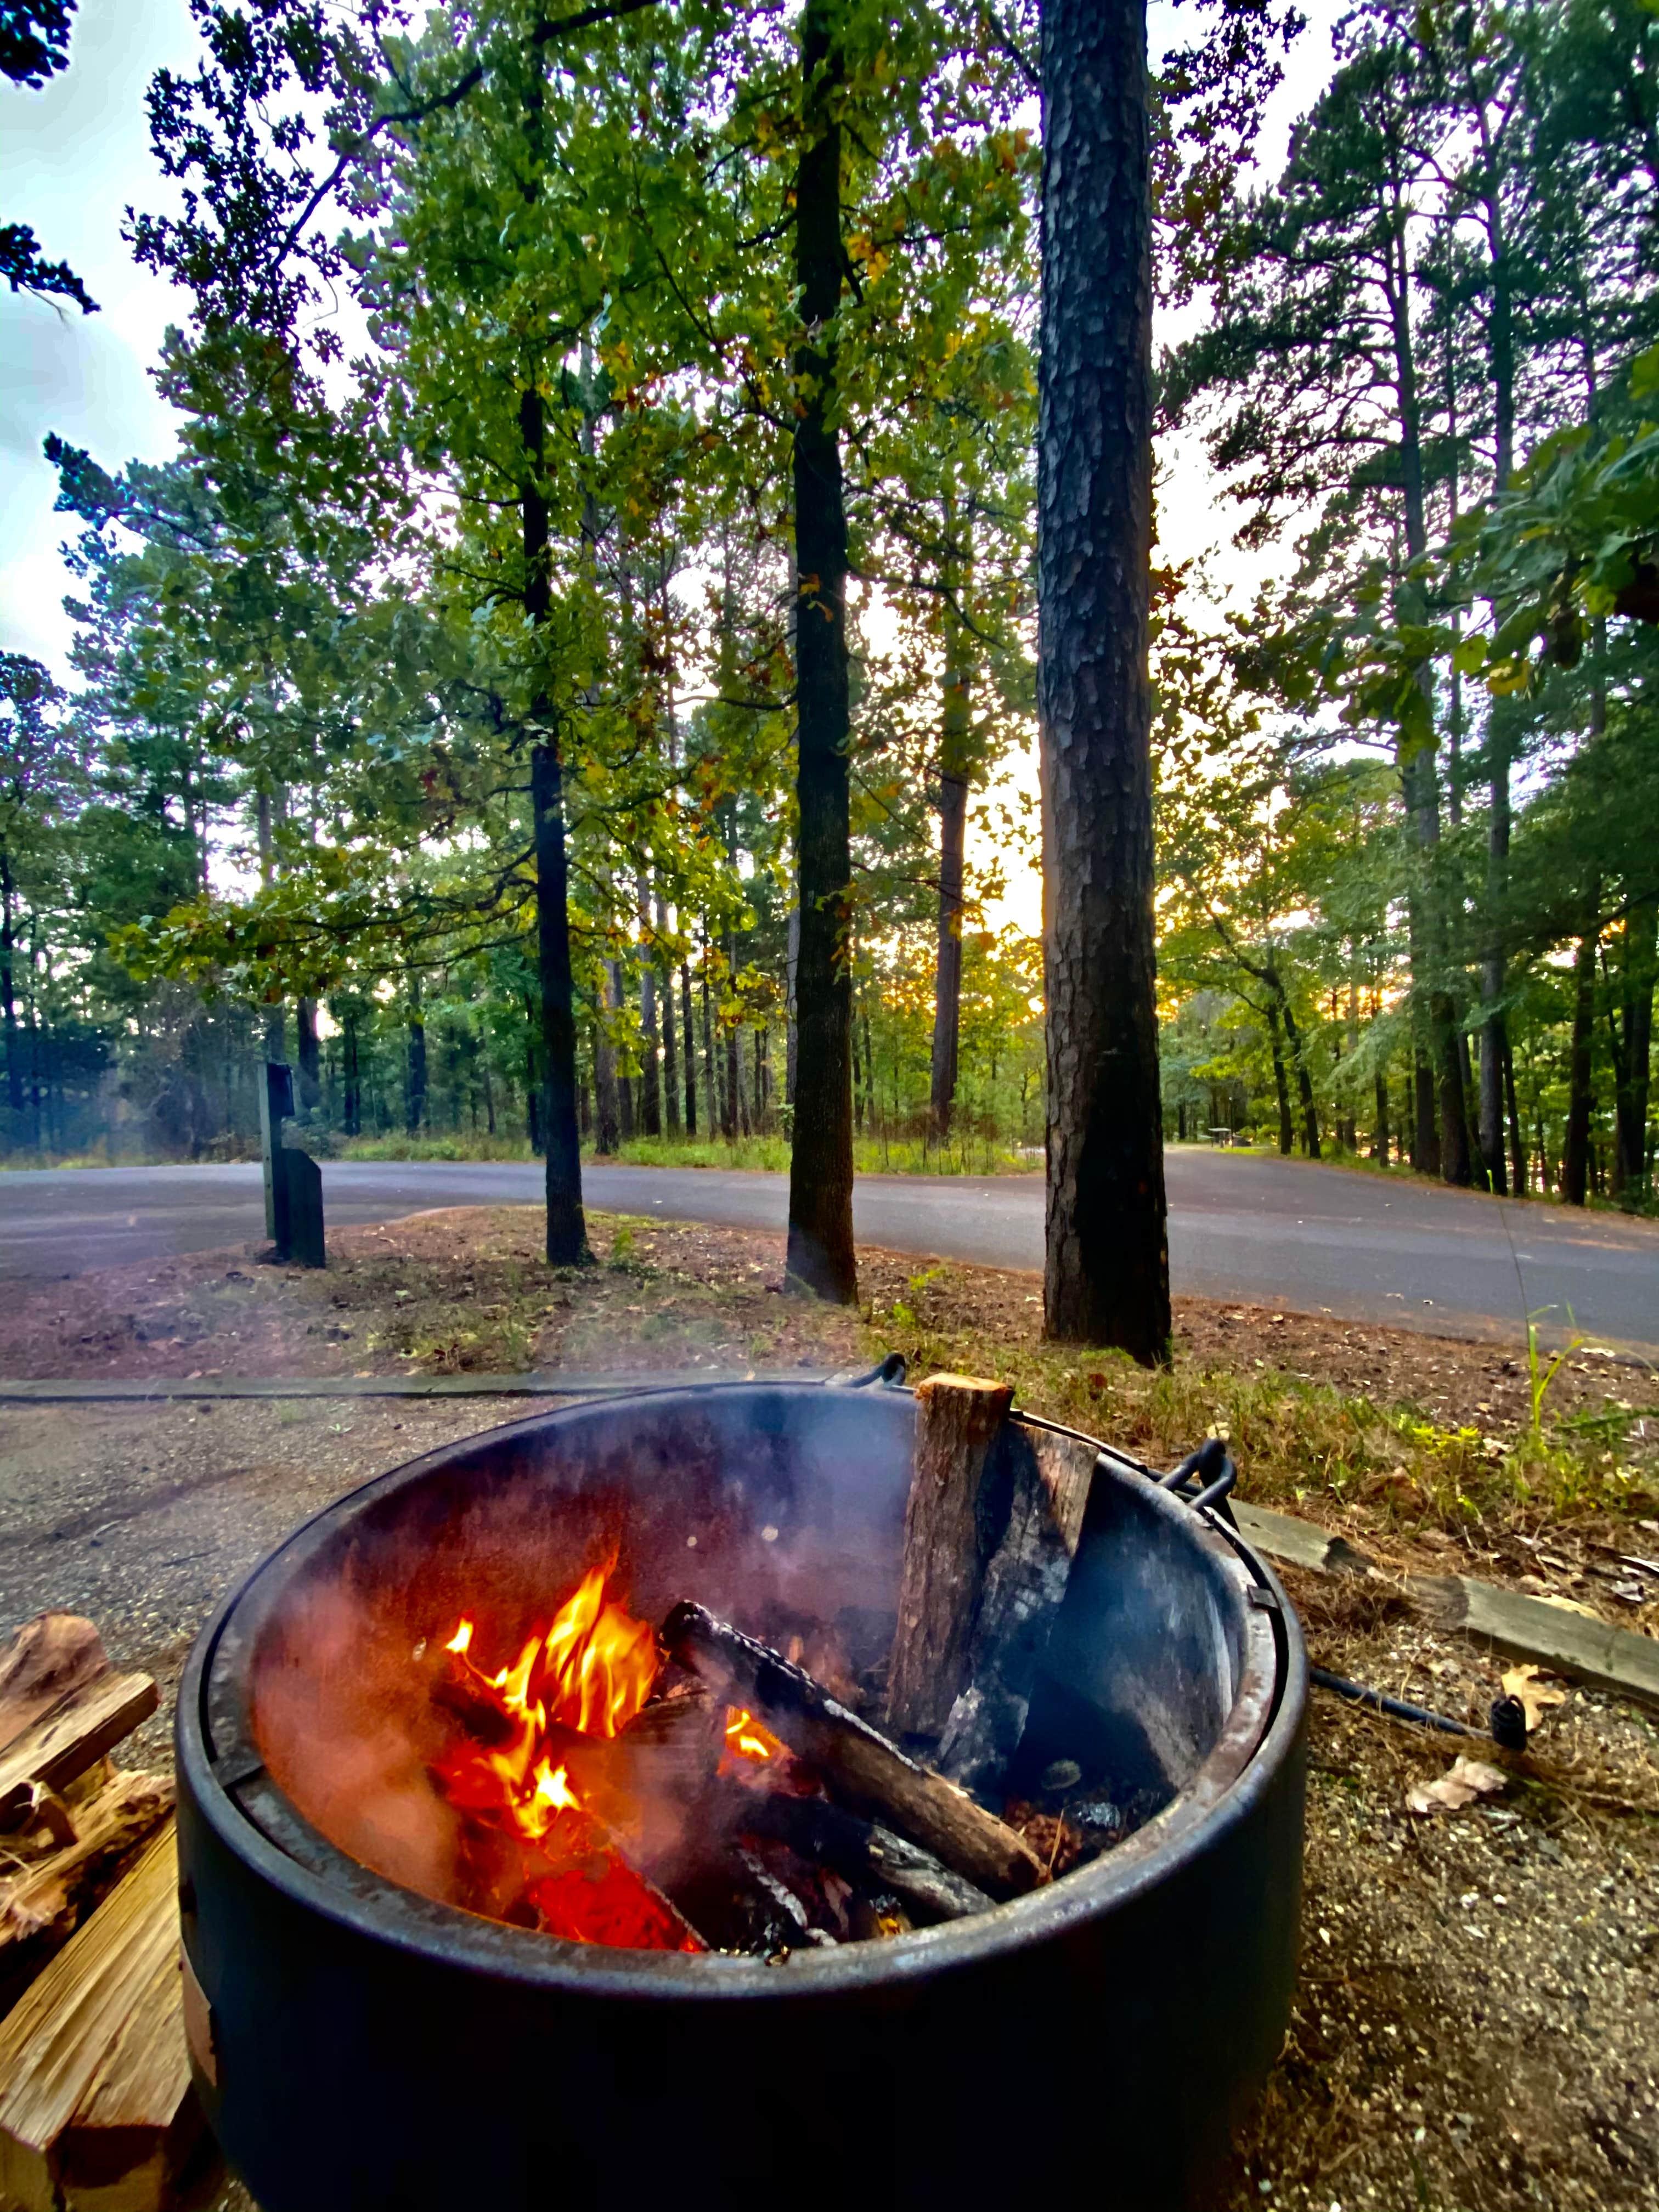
[969, 1155]
[459, 1146]
[1294, 1440]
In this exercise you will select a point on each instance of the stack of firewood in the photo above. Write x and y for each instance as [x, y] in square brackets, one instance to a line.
[96, 2111]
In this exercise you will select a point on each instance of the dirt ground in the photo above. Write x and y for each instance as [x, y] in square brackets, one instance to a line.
[1476, 2026]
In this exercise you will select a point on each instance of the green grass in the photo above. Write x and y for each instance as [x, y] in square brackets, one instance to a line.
[970, 1154]
[1295, 1442]
[462, 1146]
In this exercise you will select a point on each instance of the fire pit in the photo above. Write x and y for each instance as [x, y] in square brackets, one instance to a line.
[445, 1678]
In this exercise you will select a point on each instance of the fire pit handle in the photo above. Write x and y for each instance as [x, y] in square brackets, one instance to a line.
[1210, 1469]
[892, 1369]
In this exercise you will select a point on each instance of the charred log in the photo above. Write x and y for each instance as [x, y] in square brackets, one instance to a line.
[856, 1761]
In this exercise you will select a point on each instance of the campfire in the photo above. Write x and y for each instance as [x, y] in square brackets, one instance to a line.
[690, 1788]
[843, 1744]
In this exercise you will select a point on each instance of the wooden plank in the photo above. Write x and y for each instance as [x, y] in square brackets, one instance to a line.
[41, 1663]
[1594, 1652]
[56, 2041]
[72, 1737]
[948, 1540]
[1283, 1537]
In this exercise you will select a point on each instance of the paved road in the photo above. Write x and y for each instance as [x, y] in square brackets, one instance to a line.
[1269, 1231]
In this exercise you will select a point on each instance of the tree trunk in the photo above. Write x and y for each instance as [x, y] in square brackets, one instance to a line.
[691, 1050]
[1638, 971]
[650, 1072]
[708, 1068]
[305, 1024]
[1518, 1146]
[670, 1053]
[607, 1102]
[1281, 1086]
[1380, 1139]
[791, 1042]
[820, 1254]
[566, 1225]
[1575, 1151]
[1107, 1272]
[415, 1095]
[956, 740]
[352, 1101]
[8, 994]
[1304, 1078]
[1493, 963]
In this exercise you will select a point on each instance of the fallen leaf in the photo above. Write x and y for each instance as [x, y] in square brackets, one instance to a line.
[1467, 1779]
[1521, 1684]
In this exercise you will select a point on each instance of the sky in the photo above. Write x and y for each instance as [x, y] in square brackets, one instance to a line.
[75, 155]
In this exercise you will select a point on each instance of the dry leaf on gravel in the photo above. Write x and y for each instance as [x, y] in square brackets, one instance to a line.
[1522, 1683]
[1467, 1779]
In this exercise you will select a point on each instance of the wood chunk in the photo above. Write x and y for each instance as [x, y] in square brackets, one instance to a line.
[41, 1902]
[949, 1534]
[856, 1762]
[42, 1663]
[1026, 1585]
[133, 2130]
[70, 1737]
[862, 1850]
[57, 2041]
[1590, 1651]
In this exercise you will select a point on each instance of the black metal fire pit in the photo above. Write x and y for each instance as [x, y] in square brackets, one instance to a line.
[362, 2048]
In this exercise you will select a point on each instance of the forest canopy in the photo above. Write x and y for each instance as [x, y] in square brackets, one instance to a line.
[499, 554]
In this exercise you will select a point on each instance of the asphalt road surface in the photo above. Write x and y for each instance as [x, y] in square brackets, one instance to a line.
[1264, 1231]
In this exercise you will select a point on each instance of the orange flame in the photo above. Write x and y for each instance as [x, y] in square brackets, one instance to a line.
[591, 1671]
[746, 1737]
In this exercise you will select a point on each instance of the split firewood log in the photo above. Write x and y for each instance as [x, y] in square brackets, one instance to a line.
[949, 1532]
[41, 1663]
[103, 2009]
[1026, 1584]
[856, 1761]
[70, 1736]
[862, 1850]
[45, 1898]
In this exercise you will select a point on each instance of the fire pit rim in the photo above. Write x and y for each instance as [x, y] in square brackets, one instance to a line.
[1258, 1733]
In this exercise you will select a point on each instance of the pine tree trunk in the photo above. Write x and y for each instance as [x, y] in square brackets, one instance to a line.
[8, 994]
[1107, 1272]
[670, 1053]
[1304, 1079]
[1638, 972]
[1575, 1146]
[1380, 1139]
[1517, 1144]
[792, 1041]
[650, 1072]
[691, 1051]
[710, 1072]
[1281, 1084]
[415, 1099]
[956, 737]
[820, 1254]
[607, 1103]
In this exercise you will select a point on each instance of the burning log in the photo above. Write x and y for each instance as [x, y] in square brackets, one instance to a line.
[864, 1851]
[949, 1534]
[857, 1762]
[1024, 1587]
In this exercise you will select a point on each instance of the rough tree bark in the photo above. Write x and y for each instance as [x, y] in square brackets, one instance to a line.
[956, 740]
[567, 1228]
[1107, 1274]
[820, 1254]
[308, 1053]
[414, 1089]
[691, 1050]
[1575, 1150]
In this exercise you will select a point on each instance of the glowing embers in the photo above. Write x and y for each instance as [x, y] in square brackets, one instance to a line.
[538, 1850]
[746, 1739]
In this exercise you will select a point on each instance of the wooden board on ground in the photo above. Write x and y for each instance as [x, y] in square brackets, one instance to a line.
[1570, 1643]
[1282, 1536]
[82, 2022]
